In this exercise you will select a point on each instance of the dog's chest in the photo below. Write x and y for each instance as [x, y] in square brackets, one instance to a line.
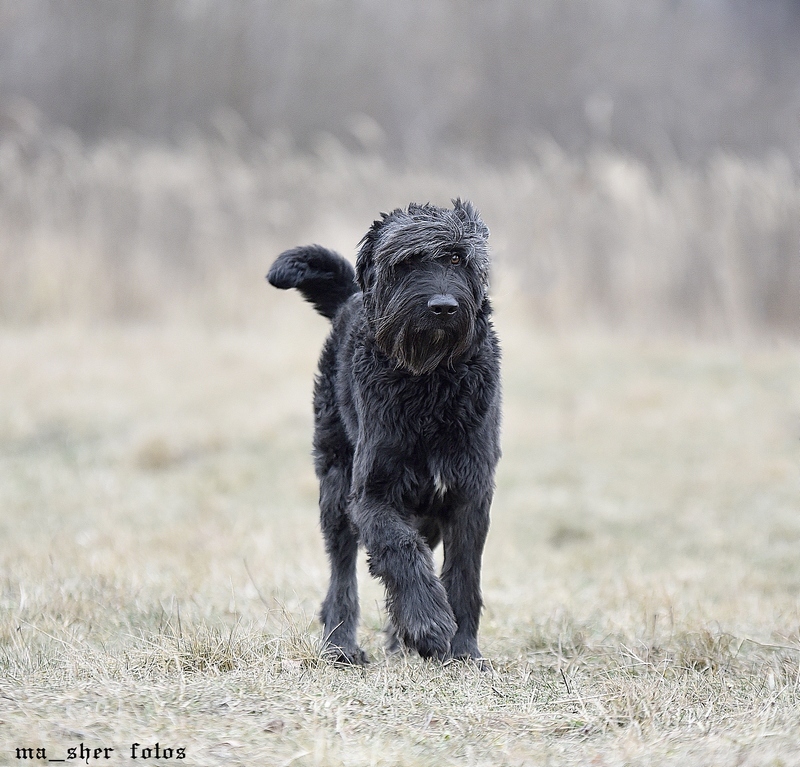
[432, 434]
[436, 412]
[439, 419]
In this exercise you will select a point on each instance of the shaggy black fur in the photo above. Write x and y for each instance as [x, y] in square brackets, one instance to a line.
[407, 418]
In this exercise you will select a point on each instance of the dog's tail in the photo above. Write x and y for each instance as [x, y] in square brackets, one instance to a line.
[322, 276]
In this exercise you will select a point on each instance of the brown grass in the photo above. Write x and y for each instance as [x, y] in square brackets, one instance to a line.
[160, 564]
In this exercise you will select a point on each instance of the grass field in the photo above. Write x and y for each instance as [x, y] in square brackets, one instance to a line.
[161, 565]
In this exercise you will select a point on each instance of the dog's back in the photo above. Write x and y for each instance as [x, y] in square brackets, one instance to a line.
[322, 276]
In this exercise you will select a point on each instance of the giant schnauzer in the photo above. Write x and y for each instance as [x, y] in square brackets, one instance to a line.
[407, 419]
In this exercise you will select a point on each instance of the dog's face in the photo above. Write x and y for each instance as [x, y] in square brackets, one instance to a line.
[424, 273]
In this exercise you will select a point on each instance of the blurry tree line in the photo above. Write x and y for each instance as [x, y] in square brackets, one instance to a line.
[659, 79]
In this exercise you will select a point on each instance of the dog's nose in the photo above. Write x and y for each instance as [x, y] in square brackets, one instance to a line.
[443, 305]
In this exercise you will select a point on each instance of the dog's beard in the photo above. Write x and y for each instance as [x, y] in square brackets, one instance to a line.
[420, 347]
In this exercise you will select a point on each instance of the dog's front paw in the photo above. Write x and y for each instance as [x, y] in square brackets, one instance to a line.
[464, 648]
[424, 621]
[346, 656]
[434, 643]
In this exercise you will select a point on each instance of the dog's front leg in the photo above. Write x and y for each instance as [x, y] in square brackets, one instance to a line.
[416, 599]
[464, 536]
[339, 612]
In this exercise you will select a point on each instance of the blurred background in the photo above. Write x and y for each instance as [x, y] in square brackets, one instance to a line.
[637, 163]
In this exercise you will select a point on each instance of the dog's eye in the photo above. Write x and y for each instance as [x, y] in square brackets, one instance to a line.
[455, 259]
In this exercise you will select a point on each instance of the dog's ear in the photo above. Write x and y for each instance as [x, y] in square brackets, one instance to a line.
[365, 266]
[365, 262]
[469, 214]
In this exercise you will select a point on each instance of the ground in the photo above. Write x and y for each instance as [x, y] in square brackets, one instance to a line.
[161, 565]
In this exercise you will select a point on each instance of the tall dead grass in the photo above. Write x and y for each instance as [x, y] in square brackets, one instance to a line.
[122, 230]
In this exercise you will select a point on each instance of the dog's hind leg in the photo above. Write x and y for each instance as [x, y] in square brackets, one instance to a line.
[430, 530]
[464, 536]
[340, 611]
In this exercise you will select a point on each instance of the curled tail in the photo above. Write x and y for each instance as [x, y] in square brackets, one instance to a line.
[323, 277]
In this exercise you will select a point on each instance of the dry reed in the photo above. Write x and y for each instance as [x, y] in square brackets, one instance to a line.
[121, 230]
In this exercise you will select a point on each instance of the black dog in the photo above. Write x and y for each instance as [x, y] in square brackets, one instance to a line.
[407, 418]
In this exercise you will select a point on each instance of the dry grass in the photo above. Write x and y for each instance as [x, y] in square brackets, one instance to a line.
[161, 564]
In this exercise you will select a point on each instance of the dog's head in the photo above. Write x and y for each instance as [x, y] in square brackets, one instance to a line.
[424, 273]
